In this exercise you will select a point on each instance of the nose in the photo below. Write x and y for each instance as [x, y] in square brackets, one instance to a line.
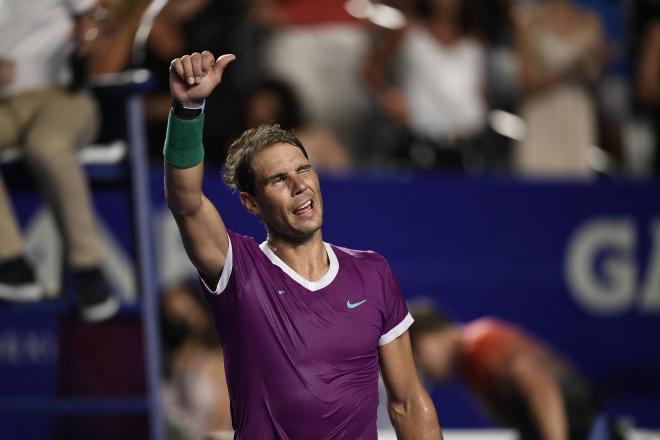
[298, 185]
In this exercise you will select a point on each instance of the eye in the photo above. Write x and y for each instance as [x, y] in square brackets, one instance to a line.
[278, 179]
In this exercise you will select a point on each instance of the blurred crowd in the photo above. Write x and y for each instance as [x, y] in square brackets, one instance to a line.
[552, 88]
[540, 88]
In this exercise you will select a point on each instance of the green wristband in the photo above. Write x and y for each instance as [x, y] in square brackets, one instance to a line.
[183, 141]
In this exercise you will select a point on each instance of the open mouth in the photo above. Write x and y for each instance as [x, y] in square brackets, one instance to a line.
[305, 209]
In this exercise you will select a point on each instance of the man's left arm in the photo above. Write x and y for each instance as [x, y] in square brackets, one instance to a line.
[410, 407]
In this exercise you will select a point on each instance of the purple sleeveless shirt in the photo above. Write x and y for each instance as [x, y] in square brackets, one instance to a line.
[301, 357]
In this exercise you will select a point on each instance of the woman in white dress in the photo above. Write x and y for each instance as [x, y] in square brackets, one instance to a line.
[438, 89]
[561, 55]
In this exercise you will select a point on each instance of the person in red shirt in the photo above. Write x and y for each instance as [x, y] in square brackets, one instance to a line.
[517, 380]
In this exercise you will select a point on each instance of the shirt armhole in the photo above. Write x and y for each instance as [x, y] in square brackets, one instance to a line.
[396, 331]
[224, 276]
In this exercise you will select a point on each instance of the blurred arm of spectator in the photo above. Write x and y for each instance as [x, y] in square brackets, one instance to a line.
[648, 88]
[110, 50]
[166, 41]
[267, 13]
[534, 78]
[324, 147]
[7, 72]
[542, 395]
[391, 99]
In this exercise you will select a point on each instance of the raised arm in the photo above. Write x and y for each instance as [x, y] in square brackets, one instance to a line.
[410, 407]
[192, 79]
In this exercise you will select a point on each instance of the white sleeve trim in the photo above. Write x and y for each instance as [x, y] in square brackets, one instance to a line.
[224, 276]
[397, 331]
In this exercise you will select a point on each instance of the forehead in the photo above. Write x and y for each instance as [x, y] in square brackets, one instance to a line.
[279, 158]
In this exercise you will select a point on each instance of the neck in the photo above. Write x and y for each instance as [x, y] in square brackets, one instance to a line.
[307, 257]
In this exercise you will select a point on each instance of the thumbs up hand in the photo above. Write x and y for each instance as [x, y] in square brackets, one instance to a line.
[193, 77]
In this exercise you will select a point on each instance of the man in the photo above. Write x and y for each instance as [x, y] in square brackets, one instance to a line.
[49, 122]
[303, 324]
[518, 381]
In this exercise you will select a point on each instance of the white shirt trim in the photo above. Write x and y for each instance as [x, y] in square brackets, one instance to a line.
[224, 276]
[397, 331]
[309, 285]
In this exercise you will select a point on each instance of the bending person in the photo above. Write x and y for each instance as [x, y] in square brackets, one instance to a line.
[518, 381]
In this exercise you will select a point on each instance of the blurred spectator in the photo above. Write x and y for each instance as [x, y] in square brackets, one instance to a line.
[182, 26]
[195, 391]
[49, 123]
[561, 55]
[113, 45]
[439, 92]
[612, 89]
[494, 23]
[274, 101]
[517, 380]
[648, 81]
[318, 48]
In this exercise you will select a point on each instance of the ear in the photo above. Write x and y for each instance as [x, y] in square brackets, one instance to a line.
[250, 203]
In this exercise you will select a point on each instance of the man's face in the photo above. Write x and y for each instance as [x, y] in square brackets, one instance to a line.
[435, 354]
[288, 198]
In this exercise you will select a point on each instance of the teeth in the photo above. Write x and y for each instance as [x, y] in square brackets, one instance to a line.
[305, 206]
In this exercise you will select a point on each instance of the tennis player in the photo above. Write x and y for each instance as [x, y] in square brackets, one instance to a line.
[304, 324]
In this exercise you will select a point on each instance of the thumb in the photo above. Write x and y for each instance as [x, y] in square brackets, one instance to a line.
[222, 62]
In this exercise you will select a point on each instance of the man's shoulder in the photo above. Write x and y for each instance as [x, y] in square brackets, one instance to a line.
[361, 257]
[240, 240]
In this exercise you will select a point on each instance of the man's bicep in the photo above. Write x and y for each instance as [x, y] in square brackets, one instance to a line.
[205, 239]
[398, 367]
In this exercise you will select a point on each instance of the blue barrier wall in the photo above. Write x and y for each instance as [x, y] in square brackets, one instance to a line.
[577, 264]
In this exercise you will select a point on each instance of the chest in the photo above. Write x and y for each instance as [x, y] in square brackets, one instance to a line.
[337, 323]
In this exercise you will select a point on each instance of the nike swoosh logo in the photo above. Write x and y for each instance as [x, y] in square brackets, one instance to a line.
[354, 305]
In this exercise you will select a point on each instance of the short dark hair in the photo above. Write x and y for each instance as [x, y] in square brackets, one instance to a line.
[238, 172]
[427, 320]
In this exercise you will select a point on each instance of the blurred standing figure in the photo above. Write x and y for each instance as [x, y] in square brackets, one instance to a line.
[561, 50]
[49, 122]
[195, 396]
[272, 100]
[517, 380]
[439, 92]
[648, 70]
[318, 48]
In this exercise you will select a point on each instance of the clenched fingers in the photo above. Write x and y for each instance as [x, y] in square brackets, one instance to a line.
[196, 61]
[207, 61]
[188, 74]
[177, 66]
